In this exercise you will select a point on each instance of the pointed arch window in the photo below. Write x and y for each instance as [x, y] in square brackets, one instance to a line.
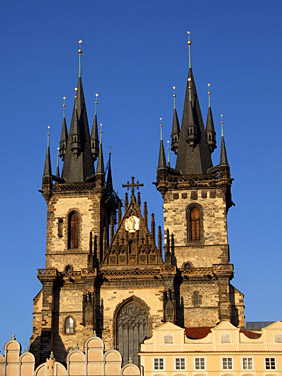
[194, 223]
[73, 230]
[131, 329]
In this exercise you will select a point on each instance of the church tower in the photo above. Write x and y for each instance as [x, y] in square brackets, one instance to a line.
[196, 198]
[79, 208]
[106, 268]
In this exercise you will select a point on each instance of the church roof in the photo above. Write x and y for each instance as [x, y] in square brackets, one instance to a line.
[78, 165]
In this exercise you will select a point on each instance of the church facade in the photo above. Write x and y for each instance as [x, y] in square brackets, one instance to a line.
[107, 269]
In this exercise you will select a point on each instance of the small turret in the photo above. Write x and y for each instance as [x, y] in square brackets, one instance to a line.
[100, 164]
[58, 169]
[94, 134]
[64, 133]
[210, 126]
[223, 153]
[47, 177]
[192, 133]
[175, 127]
[47, 166]
[75, 135]
[162, 160]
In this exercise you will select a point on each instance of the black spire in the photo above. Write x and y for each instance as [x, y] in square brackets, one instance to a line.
[109, 184]
[94, 134]
[223, 154]
[210, 127]
[175, 128]
[162, 160]
[58, 169]
[47, 166]
[78, 161]
[196, 158]
[75, 135]
[64, 134]
[100, 163]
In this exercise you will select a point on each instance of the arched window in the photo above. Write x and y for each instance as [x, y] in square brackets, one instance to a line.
[131, 329]
[73, 238]
[194, 223]
[69, 325]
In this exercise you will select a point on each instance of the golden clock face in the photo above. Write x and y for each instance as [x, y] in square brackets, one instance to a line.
[132, 223]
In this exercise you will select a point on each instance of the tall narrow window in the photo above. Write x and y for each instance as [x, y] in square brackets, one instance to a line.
[195, 224]
[132, 328]
[194, 217]
[69, 326]
[73, 230]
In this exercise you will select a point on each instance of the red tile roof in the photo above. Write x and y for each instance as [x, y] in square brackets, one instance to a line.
[202, 332]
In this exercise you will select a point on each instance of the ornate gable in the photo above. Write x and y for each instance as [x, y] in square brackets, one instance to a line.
[133, 244]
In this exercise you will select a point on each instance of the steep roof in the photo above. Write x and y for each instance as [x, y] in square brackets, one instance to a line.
[78, 166]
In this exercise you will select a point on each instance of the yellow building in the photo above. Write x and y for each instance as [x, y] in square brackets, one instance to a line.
[223, 350]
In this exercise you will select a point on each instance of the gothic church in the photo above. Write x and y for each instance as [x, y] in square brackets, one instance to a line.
[107, 269]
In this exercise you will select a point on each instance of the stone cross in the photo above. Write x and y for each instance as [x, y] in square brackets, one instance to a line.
[132, 185]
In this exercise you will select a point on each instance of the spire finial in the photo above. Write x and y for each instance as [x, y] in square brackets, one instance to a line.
[168, 162]
[96, 102]
[64, 107]
[161, 128]
[48, 136]
[189, 46]
[101, 133]
[221, 116]
[79, 57]
[189, 87]
[209, 93]
[57, 170]
[174, 95]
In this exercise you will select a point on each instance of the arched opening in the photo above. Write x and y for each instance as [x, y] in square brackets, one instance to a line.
[131, 324]
[73, 230]
[69, 325]
[194, 223]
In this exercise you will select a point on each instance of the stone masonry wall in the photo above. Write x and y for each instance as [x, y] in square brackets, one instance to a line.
[88, 207]
[113, 297]
[212, 248]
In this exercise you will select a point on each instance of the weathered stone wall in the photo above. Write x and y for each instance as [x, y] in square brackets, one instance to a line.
[88, 206]
[206, 312]
[113, 297]
[212, 248]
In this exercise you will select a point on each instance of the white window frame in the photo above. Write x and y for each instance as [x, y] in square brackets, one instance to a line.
[158, 366]
[200, 366]
[175, 366]
[168, 339]
[278, 337]
[242, 362]
[232, 365]
[275, 363]
[225, 338]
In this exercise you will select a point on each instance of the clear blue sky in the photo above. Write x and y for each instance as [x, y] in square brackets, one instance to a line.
[133, 53]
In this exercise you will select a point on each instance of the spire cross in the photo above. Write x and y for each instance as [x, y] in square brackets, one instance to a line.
[189, 46]
[79, 52]
[221, 116]
[96, 102]
[161, 128]
[209, 94]
[132, 185]
[64, 106]
[174, 95]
